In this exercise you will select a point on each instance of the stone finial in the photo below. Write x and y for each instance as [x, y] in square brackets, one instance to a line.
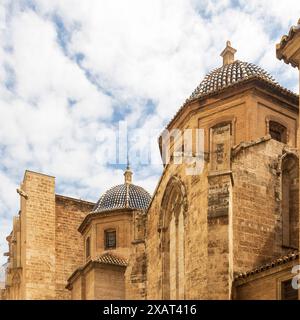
[128, 175]
[228, 54]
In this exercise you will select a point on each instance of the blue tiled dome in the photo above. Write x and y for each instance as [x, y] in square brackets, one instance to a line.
[125, 195]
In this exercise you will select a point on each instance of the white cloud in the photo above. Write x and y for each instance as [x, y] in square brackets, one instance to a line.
[68, 68]
[284, 13]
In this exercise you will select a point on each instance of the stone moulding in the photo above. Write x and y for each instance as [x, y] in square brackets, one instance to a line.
[244, 145]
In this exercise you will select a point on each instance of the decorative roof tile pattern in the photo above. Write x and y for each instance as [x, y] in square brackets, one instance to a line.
[123, 196]
[282, 260]
[228, 75]
[105, 258]
[109, 258]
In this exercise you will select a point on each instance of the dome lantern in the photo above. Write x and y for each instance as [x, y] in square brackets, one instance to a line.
[228, 54]
[128, 175]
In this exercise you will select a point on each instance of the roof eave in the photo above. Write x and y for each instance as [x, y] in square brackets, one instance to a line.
[91, 264]
[93, 215]
[288, 48]
[282, 261]
[279, 89]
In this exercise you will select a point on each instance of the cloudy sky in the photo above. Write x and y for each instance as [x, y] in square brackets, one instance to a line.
[70, 70]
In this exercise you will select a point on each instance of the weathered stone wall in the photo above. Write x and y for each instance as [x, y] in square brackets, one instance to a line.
[262, 289]
[136, 271]
[3, 294]
[76, 292]
[257, 220]
[109, 282]
[89, 284]
[69, 246]
[208, 270]
[13, 277]
[98, 281]
[218, 277]
[38, 238]
[195, 236]
[219, 246]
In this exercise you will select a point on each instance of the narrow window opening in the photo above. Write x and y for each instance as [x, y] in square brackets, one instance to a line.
[278, 132]
[287, 291]
[88, 247]
[110, 239]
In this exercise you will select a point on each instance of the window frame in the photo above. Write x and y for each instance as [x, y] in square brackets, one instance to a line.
[286, 276]
[106, 240]
[281, 129]
[281, 293]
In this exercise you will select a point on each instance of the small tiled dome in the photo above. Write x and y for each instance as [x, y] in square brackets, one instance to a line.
[230, 74]
[125, 195]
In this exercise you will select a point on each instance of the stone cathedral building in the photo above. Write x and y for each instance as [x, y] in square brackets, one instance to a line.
[231, 232]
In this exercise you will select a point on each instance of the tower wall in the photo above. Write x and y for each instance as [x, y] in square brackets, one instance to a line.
[257, 202]
[38, 236]
[48, 247]
[136, 271]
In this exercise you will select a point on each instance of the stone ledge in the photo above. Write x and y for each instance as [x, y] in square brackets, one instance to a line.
[244, 145]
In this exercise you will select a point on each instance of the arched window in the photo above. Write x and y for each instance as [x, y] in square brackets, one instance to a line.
[277, 131]
[290, 201]
[88, 247]
[172, 240]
